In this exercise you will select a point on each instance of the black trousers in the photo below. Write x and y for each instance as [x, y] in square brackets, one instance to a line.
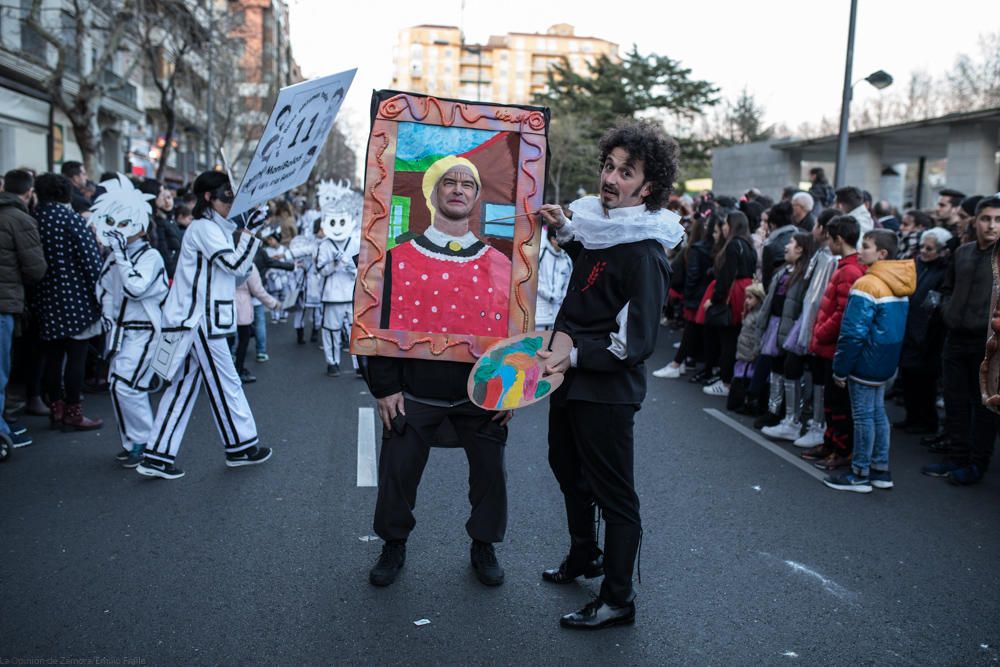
[65, 365]
[243, 333]
[591, 453]
[691, 342]
[720, 349]
[920, 396]
[972, 427]
[404, 456]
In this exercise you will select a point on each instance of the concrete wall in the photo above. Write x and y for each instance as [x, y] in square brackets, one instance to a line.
[972, 150]
[736, 169]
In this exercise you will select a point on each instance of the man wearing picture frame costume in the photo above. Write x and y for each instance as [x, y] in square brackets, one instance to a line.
[424, 403]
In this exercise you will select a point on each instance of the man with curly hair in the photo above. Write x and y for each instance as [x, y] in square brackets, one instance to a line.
[611, 315]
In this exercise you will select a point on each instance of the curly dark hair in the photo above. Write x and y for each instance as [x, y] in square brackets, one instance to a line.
[646, 141]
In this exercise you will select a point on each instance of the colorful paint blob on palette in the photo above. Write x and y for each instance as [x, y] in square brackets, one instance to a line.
[510, 376]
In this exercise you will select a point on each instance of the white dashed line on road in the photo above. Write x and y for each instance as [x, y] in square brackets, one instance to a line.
[367, 468]
[804, 466]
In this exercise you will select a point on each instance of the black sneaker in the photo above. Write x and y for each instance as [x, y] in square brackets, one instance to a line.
[122, 456]
[134, 457]
[484, 562]
[246, 377]
[248, 457]
[152, 468]
[21, 439]
[880, 479]
[849, 481]
[389, 563]
[333, 370]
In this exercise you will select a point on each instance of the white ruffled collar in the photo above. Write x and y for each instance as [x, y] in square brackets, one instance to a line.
[442, 240]
[597, 228]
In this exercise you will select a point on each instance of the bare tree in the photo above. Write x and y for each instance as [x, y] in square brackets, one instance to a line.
[573, 161]
[85, 46]
[975, 82]
[168, 34]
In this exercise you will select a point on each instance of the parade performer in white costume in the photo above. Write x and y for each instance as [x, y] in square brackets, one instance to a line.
[306, 284]
[335, 263]
[131, 289]
[197, 317]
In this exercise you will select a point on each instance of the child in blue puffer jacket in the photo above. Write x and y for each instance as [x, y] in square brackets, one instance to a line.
[868, 349]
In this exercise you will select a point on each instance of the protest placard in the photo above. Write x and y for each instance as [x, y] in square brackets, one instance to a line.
[295, 133]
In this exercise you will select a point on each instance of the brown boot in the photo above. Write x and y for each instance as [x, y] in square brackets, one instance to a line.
[56, 414]
[75, 420]
[37, 408]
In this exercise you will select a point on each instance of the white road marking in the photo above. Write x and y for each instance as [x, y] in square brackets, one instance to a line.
[829, 585]
[367, 468]
[774, 448]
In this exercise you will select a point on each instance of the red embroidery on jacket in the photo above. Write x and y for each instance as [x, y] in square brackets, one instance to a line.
[594, 273]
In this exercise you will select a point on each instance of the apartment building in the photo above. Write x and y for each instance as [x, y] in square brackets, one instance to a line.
[510, 69]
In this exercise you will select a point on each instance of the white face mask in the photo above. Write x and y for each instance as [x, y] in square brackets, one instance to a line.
[120, 210]
[338, 228]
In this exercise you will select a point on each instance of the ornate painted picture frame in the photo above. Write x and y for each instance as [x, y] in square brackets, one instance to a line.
[448, 263]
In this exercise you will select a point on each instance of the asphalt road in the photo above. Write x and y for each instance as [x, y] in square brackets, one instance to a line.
[746, 558]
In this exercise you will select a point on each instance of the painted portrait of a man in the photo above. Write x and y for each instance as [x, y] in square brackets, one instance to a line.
[446, 279]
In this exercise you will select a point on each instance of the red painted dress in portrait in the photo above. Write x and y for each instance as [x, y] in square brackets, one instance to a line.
[445, 284]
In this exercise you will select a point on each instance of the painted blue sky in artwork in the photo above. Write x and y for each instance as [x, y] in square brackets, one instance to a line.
[415, 141]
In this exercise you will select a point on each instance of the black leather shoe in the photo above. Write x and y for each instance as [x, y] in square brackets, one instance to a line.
[599, 614]
[389, 563]
[571, 568]
[484, 562]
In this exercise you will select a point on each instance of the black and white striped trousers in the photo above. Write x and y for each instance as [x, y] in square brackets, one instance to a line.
[208, 362]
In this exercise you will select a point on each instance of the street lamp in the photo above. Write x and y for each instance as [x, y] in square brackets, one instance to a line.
[880, 79]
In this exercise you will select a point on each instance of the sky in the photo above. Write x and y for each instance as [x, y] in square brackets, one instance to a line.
[788, 53]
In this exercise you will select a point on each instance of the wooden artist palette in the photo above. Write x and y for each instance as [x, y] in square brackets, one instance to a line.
[510, 374]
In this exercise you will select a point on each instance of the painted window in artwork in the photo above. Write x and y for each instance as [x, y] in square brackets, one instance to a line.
[503, 215]
[399, 219]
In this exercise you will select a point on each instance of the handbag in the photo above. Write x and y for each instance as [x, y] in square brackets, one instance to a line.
[769, 342]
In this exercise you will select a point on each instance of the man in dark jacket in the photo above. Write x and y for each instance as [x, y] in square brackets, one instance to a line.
[77, 175]
[967, 290]
[802, 206]
[22, 262]
[609, 320]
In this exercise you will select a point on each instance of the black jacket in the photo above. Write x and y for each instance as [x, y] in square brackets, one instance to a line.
[168, 240]
[740, 262]
[698, 273]
[967, 290]
[773, 255]
[923, 337]
[612, 313]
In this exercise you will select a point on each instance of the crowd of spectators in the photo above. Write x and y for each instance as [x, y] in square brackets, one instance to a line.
[809, 312]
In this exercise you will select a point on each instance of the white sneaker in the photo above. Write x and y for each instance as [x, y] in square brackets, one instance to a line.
[813, 435]
[717, 388]
[786, 430]
[669, 371]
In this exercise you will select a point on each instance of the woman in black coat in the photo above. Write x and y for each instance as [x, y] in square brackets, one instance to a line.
[734, 268]
[697, 262]
[920, 361]
[66, 300]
